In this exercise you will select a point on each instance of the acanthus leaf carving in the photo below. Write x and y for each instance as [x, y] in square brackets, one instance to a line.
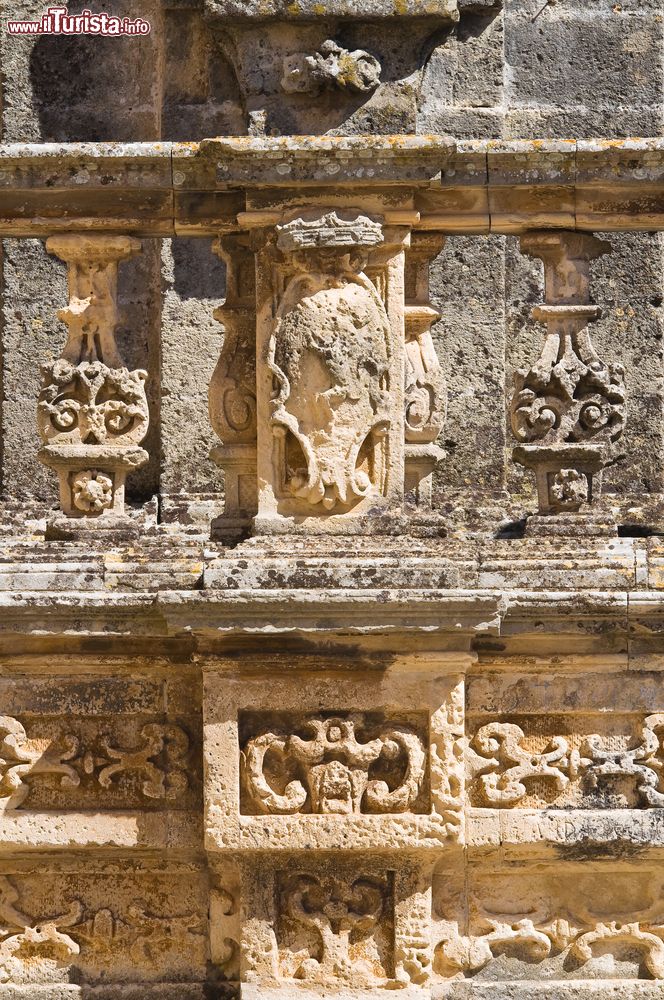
[333, 768]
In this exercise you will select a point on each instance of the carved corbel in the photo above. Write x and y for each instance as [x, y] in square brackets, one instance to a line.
[232, 392]
[426, 391]
[92, 411]
[568, 409]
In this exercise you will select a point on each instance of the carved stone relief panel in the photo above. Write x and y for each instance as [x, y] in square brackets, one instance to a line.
[333, 763]
[311, 771]
[331, 921]
[330, 382]
[75, 764]
[96, 927]
[556, 923]
[102, 744]
[585, 762]
[562, 749]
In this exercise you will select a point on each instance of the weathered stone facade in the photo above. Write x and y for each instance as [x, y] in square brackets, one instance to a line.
[331, 461]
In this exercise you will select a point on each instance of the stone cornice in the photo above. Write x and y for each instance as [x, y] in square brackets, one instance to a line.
[161, 189]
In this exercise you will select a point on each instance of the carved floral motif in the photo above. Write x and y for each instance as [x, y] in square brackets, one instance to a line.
[332, 771]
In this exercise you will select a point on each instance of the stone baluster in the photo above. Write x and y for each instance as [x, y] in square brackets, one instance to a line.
[92, 411]
[426, 392]
[568, 409]
[232, 393]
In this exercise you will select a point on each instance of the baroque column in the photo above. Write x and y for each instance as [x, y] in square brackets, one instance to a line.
[568, 409]
[92, 411]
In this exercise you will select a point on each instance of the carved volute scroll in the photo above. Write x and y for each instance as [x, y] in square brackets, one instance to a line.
[568, 408]
[92, 411]
[328, 438]
[426, 391]
[232, 392]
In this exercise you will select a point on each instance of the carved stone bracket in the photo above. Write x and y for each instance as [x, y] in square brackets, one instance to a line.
[92, 411]
[568, 408]
[305, 68]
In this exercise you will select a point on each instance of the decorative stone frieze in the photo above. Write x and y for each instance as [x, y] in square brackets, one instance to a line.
[92, 412]
[568, 410]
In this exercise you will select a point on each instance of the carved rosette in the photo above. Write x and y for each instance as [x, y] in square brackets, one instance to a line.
[92, 412]
[568, 409]
[329, 383]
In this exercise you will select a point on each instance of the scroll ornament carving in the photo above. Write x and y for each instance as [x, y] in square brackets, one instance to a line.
[569, 395]
[333, 768]
[22, 759]
[505, 767]
[341, 914]
[225, 930]
[20, 933]
[143, 936]
[535, 938]
[329, 353]
[90, 403]
[331, 66]
[568, 409]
